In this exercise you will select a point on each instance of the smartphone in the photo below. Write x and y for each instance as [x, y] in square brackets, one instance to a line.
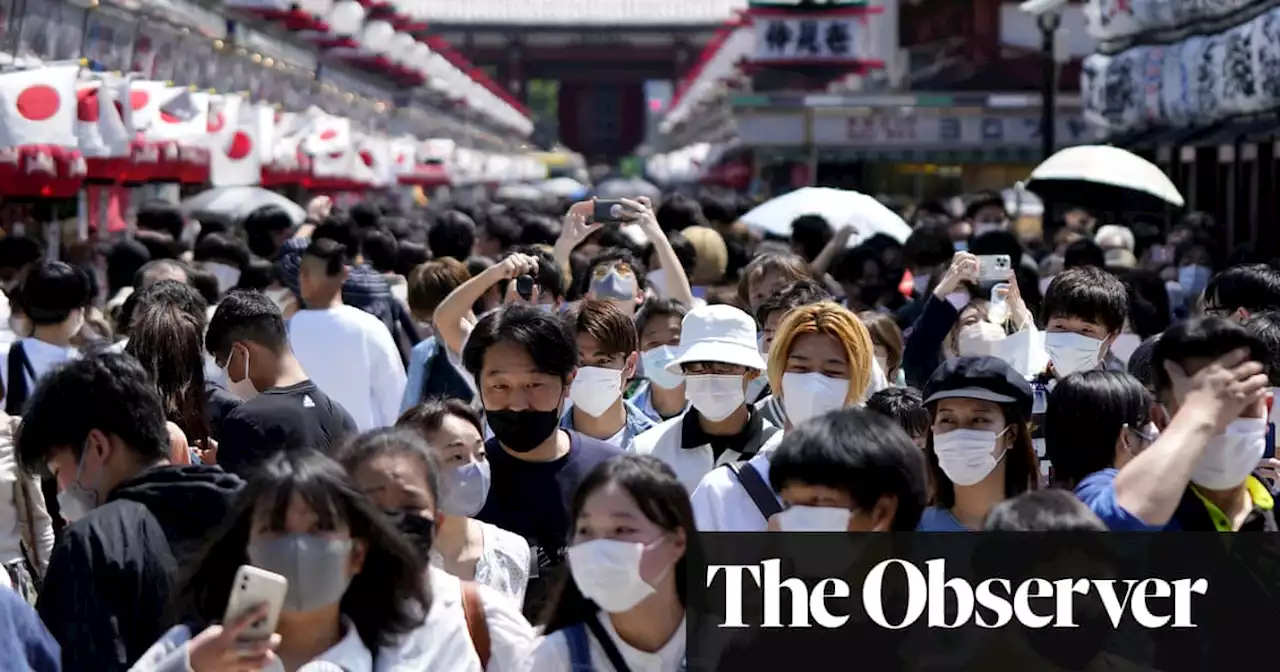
[524, 287]
[610, 211]
[252, 587]
[994, 267]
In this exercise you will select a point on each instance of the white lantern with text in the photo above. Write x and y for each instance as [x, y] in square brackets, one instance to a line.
[377, 37]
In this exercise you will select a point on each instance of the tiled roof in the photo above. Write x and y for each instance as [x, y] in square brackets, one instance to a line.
[584, 12]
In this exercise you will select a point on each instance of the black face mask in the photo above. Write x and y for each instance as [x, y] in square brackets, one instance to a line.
[419, 529]
[522, 431]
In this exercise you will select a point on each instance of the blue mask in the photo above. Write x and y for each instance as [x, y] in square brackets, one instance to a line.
[614, 286]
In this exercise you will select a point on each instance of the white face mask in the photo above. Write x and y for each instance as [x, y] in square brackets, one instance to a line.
[242, 388]
[1071, 352]
[655, 367]
[978, 339]
[595, 389]
[808, 395]
[967, 455]
[814, 519]
[1124, 345]
[228, 276]
[1232, 455]
[714, 396]
[607, 572]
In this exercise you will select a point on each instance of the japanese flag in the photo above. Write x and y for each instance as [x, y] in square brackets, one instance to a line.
[404, 157]
[339, 164]
[38, 107]
[146, 99]
[222, 109]
[99, 124]
[183, 116]
[375, 156]
[238, 162]
[327, 135]
[266, 116]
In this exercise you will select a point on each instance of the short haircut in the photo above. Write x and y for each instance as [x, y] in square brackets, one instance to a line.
[927, 246]
[504, 230]
[791, 267]
[711, 255]
[829, 319]
[258, 274]
[861, 453]
[221, 247]
[160, 245]
[123, 261]
[106, 391]
[654, 308]
[885, 333]
[903, 405]
[1084, 417]
[339, 228]
[410, 254]
[1140, 362]
[18, 251]
[682, 247]
[1049, 510]
[606, 323]
[614, 255]
[160, 268]
[800, 293]
[261, 227]
[245, 316]
[365, 215]
[1253, 287]
[1083, 252]
[679, 213]
[52, 290]
[981, 200]
[1202, 338]
[429, 416]
[331, 252]
[380, 249]
[1266, 326]
[452, 235]
[549, 276]
[205, 282]
[161, 216]
[431, 282]
[1088, 293]
[543, 335]
[811, 233]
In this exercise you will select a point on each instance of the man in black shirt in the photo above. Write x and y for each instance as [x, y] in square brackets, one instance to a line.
[283, 409]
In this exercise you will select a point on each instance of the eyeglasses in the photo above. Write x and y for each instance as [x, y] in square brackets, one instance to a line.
[622, 268]
[712, 368]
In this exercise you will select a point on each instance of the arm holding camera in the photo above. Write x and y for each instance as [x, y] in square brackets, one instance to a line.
[641, 213]
[577, 227]
[451, 321]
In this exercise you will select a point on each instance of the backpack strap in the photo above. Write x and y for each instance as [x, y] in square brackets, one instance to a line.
[16, 389]
[477, 623]
[756, 443]
[759, 491]
[606, 642]
[579, 648]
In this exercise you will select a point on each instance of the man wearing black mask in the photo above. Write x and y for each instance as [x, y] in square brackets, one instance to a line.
[535, 466]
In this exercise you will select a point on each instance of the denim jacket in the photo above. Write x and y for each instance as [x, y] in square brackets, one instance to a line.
[637, 423]
[432, 374]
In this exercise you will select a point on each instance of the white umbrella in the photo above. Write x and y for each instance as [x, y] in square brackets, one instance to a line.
[565, 187]
[1104, 177]
[839, 207]
[1020, 201]
[235, 203]
[627, 187]
[519, 192]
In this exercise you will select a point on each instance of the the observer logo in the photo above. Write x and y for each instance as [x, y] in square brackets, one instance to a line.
[993, 603]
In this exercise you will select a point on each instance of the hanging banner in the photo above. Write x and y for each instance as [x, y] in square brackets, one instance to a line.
[785, 38]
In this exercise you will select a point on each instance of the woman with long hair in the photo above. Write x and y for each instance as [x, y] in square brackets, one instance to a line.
[355, 583]
[623, 599]
[979, 449]
[169, 343]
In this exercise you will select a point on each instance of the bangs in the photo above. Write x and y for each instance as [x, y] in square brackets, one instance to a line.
[272, 504]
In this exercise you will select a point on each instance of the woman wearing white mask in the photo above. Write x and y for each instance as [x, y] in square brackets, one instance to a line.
[624, 608]
[1096, 420]
[464, 547]
[661, 394]
[979, 450]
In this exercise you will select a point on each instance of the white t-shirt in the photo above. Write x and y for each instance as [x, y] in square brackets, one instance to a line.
[352, 358]
[42, 356]
[511, 638]
[690, 464]
[552, 652]
[721, 503]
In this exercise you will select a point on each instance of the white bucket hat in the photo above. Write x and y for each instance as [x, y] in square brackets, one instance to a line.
[718, 333]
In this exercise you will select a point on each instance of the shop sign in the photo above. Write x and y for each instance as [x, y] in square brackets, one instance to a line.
[799, 39]
[942, 131]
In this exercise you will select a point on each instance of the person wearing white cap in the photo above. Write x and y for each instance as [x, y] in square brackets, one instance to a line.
[718, 357]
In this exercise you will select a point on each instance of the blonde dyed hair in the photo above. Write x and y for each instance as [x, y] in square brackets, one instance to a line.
[711, 255]
[830, 319]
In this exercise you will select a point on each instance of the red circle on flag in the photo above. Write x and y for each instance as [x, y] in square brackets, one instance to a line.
[240, 147]
[138, 99]
[367, 158]
[215, 122]
[87, 105]
[328, 134]
[39, 102]
[169, 118]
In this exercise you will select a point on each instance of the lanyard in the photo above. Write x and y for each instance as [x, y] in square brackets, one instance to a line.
[606, 642]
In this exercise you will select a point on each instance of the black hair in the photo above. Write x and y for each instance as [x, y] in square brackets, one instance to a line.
[537, 229]
[997, 242]
[146, 275]
[262, 225]
[1049, 510]
[1149, 312]
[1088, 293]
[1084, 417]
[549, 278]
[1202, 338]
[657, 492]
[810, 233]
[862, 453]
[681, 212]
[1022, 468]
[245, 316]
[106, 391]
[903, 405]
[365, 215]
[1140, 362]
[160, 245]
[124, 259]
[684, 249]
[388, 598]
[339, 228]
[794, 295]
[1266, 326]
[221, 248]
[452, 235]
[52, 290]
[614, 255]
[503, 230]
[410, 254]
[331, 252]
[19, 251]
[172, 292]
[205, 282]
[380, 250]
[655, 307]
[983, 199]
[429, 416]
[1253, 287]
[257, 274]
[160, 216]
[1083, 252]
[396, 441]
[928, 246]
[530, 328]
[166, 340]
[715, 209]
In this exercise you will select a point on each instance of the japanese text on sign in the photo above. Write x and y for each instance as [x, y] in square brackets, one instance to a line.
[873, 128]
[809, 39]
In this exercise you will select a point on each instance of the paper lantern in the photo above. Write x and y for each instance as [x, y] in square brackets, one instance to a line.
[345, 18]
[420, 58]
[377, 37]
[316, 7]
[402, 48]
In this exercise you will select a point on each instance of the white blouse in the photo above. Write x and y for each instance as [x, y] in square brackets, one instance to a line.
[552, 653]
[511, 637]
[503, 564]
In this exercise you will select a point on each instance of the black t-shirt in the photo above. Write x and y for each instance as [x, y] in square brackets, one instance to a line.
[282, 418]
[532, 499]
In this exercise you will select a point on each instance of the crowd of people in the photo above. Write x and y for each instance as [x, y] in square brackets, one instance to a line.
[484, 436]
